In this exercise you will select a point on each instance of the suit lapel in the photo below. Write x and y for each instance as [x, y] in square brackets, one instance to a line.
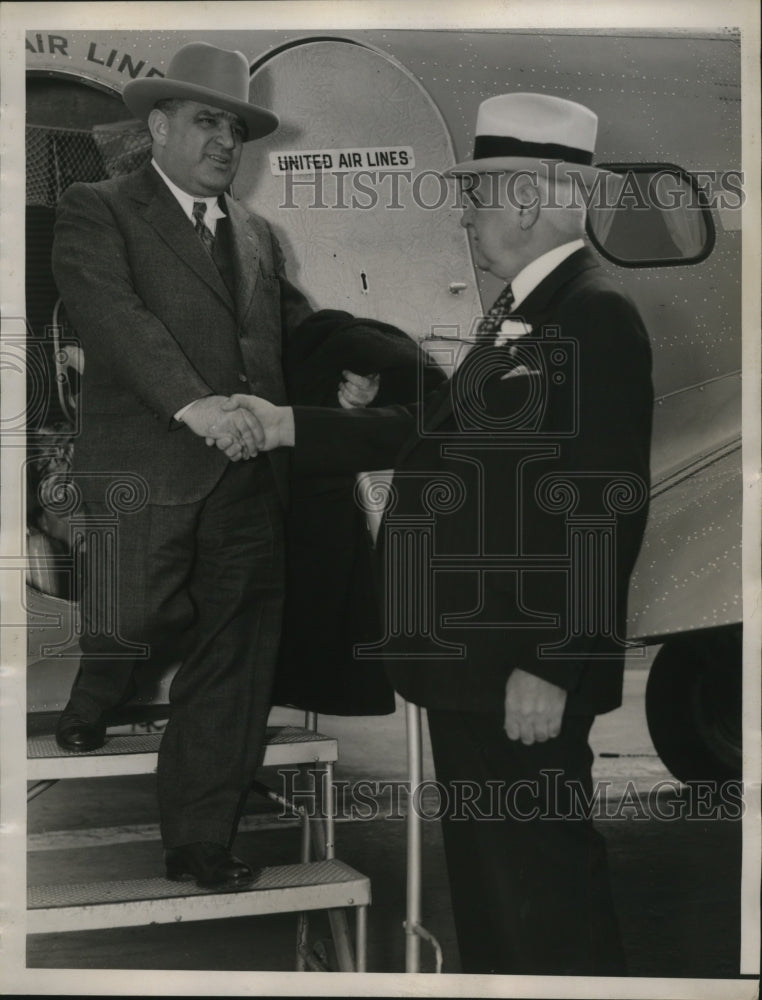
[162, 211]
[534, 309]
[540, 300]
[246, 253]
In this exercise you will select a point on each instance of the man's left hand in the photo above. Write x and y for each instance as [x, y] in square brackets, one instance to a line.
[357, 390]
[534, 708]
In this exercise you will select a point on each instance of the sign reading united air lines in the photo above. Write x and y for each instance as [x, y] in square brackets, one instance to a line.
[308, 161]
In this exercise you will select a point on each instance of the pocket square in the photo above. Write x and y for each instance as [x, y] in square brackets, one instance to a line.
[511, 329]
[520, 370]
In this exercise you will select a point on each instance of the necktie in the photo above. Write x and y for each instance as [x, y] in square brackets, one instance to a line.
[487, 329]
[204, 232]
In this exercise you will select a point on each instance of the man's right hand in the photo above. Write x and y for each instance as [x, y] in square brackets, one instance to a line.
[276, 423]
[234, 429]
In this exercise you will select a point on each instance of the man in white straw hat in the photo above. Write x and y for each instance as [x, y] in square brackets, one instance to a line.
[180, 299]
[541, 441]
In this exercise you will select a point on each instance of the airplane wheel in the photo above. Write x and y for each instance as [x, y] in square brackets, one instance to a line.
[693, 705]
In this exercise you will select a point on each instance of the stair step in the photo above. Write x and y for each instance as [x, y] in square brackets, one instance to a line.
[136, 754]
[315, 885]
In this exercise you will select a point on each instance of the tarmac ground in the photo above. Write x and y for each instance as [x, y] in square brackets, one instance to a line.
[676, 878]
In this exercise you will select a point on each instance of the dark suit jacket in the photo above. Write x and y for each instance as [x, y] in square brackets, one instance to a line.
[160, 328]
[587, 419]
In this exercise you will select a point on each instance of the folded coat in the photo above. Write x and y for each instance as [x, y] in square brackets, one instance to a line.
[331, 598]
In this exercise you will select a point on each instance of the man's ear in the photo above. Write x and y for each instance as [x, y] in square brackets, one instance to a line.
[529, 215]
[528, 198]
[158, 124]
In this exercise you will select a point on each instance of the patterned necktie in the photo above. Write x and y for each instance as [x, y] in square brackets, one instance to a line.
[489, 326]
[204, 232]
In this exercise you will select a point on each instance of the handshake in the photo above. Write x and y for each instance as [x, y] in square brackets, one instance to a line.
[241, 425]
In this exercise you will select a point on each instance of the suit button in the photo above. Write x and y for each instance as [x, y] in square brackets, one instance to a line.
[242, 377]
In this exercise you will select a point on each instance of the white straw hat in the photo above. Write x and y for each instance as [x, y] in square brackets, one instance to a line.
[518, 131]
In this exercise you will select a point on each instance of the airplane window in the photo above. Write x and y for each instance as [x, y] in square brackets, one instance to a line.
[658, 217]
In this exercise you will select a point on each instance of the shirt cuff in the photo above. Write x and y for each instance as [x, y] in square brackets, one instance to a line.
[183, 410]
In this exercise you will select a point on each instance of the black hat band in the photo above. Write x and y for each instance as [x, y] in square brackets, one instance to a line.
[487, 146]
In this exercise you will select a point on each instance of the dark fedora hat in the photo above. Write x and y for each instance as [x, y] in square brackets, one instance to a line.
[207, 74]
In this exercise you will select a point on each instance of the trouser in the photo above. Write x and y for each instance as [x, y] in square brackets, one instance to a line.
[205, 580]
[530, 889]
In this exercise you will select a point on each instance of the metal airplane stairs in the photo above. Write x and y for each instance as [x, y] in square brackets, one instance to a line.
[323, 884]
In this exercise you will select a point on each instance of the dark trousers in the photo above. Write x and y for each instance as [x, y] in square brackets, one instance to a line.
[530, 892]
[202, 582]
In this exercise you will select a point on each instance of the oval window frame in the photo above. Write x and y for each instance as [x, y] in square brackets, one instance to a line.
[685, 175]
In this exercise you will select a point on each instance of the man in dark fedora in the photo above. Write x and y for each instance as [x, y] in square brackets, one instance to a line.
[179, 297]
[519, 504]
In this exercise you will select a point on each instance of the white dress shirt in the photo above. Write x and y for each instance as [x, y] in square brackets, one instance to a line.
[213, 213]
[213, 209]
[530, 276]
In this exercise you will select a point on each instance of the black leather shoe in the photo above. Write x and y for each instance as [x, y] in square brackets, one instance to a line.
[76, 734]
[212, 866]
